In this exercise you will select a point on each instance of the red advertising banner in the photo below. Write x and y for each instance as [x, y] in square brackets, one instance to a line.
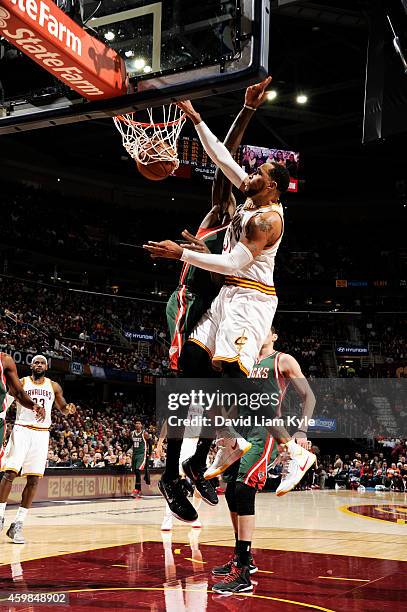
[53, 40]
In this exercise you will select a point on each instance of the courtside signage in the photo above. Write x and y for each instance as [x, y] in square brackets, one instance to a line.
[54, 41]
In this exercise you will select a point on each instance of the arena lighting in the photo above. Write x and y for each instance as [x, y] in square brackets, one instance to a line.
[109, 35]
[147, 69]
[302, 99]
[139, 63]
[129, 53]
[271, 95]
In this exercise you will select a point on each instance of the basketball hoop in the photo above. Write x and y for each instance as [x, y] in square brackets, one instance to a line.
[149, 142]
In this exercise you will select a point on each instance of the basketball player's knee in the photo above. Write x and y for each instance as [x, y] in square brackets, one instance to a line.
[194, 360]
[9, 476]
[245, 499]
[230, 496]
[32, 482]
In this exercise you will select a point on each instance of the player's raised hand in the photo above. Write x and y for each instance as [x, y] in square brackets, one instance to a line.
[39, 412]
[256, 94]
[166, 249]
[71, 408]
[188, 109]
[193, 243]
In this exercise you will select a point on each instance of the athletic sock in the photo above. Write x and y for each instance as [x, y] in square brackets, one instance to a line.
[244, 552]
[172, 464]
[2, 509]
[21, 514]
[291, 445]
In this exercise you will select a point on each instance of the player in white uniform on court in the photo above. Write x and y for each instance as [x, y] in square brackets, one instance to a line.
[234, 328]
[27, 448]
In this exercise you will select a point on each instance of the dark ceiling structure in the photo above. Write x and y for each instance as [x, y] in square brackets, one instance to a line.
[316, 47]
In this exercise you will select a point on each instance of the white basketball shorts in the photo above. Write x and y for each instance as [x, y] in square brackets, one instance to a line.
[26, 450]
[236, 325]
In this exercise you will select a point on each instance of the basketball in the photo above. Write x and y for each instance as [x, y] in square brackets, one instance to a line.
[156, 170]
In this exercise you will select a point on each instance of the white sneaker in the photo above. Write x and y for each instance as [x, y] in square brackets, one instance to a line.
[166, 525]
[299, 461]
[15, 533]
[1, 523]
[230, 448]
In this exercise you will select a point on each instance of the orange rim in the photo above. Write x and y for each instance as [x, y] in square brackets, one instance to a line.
[146, 125]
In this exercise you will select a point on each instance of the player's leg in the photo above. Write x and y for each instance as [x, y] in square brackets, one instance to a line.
[15, 531]
[13, 460]
[33, 468]
[2, 436]
[195, 359]
[167, 521]
[5, 487]
[229, 477]
[251, 476]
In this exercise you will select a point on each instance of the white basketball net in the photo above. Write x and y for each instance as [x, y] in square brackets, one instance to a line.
[144, 141]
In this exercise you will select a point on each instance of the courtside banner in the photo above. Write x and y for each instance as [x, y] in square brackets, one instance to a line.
[53, 40]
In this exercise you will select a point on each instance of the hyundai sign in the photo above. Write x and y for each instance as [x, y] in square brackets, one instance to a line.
[344, 350]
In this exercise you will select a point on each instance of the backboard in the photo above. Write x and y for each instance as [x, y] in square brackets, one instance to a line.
[173, 49]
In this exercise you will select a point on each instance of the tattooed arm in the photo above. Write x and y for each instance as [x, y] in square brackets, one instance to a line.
[262, 231]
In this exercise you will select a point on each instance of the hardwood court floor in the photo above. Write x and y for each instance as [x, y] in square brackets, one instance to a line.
[333, 551]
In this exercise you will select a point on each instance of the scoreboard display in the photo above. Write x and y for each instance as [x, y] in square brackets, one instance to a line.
[194, 161]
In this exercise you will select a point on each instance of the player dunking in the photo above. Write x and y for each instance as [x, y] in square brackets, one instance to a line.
[195, 293]
[235, 327]
[27, 448]
[276, 371]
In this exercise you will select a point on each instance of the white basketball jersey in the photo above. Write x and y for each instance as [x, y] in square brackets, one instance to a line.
[261, 269]
[43, 395]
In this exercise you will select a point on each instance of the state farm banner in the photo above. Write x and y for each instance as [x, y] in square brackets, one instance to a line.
[53, 40]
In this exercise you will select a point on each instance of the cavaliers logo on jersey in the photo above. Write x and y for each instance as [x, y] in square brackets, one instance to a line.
[241, 341]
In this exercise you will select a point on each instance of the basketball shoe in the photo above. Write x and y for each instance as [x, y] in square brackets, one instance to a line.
[296, 464]
[224, 570]
[230, 448]
[205, 489]
[238, 581]
[180, 506]
[15, 533]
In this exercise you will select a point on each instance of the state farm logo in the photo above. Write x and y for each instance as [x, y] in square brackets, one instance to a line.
[4, 15]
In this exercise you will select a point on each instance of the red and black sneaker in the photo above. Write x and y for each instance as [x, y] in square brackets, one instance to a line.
[136, 493]
[238, 581]
[224, 570]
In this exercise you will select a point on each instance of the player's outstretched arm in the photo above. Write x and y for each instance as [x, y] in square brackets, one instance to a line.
[16, 388]
[291, 369]
[262, 231]
[222, 187]
[60, 401]
[217, 150]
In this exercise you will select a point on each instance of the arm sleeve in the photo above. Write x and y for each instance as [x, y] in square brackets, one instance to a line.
[9, 400]
[226, 263]
[221, 156]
